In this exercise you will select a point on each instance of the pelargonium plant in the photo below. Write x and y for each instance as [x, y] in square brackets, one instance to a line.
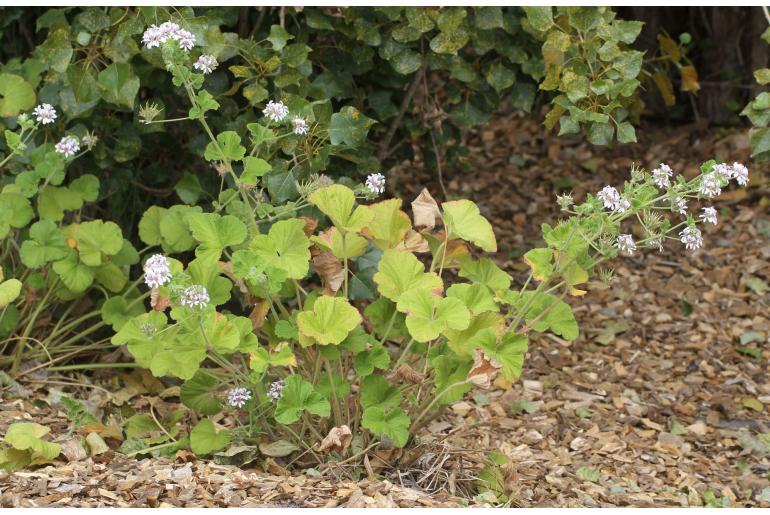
[341, 313]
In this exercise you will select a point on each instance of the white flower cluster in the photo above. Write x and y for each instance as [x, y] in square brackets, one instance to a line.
[206, 64]
[276, 111]
[375, 182]
[45, 114]
[300, 126]
[195, 296]
[274, 393]
[709, 215]
[157, 271]
[68, 146]
[625, 243]
[238, 397]
[155, 35]
[735, 171]
[613, 200]
[691, 237]
[661, 176]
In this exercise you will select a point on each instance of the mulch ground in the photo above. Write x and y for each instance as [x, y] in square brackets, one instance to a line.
[663, 401]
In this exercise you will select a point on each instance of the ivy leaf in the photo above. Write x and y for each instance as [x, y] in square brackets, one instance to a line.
[539, 18]
[389, 224]
[329, 322]
[393, 423]
[205, 439]
[428, 315]
[297, 396]
[119, 84]
[285, 246]
[76, 276]
[215, 232]
[205, 102]
[399, 272]
[349, 127]
[463, 220]
[376, 391]
[96, 240]
[500, 76]
[626, 133]
[228, 148]
[278, 37]
[57, 51]
[47, 244]
[338, 203]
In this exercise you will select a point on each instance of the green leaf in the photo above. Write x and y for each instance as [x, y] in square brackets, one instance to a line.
[376, 391]
[376, 357]
[28, 436]
[119, 84]
[476, 297]
[389, 224]
[116, 311]
[279, 449]
[9, 291]
[394, 424]
[550, 313]
[540, 261]
[253, 169]
[215, 232]
[463, 220]
[588, 474]
[297, 396]
[205, 102]
[427, 315]
[626, 133]
[500, 76]
[329, 322]
[278, 37]
[75, 275]
[96, 240]
[16, 95]
[205, 439]
[488, 18]
[57, 51]
[601, 133]
[399, 272]
[87, 186]
[343, 246]
[285, 247]
[53, 201]
[189, 189]
[349, 127]
[227, 148]
[15, 211]
[507, 350]
[338, 203]
[539, 18]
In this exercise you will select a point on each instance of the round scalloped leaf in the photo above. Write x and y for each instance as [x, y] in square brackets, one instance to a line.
[329, 322]
[16, 95]
[338, 202]
[297, 396]
[205, 439]
[393, 423]
[46, 244]
[463, 220]
[97, 240]
[285, 246]
[399, 272]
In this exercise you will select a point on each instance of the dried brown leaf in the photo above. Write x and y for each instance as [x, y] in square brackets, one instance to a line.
[484, 370]
[425, 210]
[331, 271]
[338, 440]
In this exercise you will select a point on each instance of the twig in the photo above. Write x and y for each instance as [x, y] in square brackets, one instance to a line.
[438, 165]
[767, 14]
[385, 143]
